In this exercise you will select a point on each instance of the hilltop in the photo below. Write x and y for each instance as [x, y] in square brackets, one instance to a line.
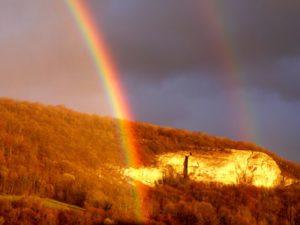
[55, 153]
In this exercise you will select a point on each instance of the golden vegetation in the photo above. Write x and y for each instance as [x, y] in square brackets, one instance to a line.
[181, 201]
[56, 153]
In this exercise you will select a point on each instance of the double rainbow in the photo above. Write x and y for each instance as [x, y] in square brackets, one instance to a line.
[109, 77]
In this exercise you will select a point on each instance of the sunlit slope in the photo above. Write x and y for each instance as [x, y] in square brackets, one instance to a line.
[55, 153]
[47, 145]
[226, 167]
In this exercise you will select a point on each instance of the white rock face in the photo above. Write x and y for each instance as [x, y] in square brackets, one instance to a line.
[146, 175]
[226, 166]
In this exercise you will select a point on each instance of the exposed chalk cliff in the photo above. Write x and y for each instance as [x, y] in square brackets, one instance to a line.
[226, 166]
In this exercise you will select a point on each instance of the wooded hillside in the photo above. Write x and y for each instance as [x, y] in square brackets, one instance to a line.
[53, 152]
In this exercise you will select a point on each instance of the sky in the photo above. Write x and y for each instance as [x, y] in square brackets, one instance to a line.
[225, 67]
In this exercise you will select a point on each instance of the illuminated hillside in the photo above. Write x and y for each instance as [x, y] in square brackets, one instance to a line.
[77, 159]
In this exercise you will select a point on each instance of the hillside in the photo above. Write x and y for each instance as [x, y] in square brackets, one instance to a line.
[75, 158]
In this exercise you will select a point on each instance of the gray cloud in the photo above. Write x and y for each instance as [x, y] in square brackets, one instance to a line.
[200, 104]
[279, 76]
[157, 39]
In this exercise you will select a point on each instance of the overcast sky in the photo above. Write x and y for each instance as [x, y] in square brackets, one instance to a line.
[226, 67]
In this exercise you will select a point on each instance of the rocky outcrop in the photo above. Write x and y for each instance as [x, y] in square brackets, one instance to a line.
[226, 166]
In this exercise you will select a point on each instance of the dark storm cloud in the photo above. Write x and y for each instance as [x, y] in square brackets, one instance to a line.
[173, 34]
[154, 37]
[269, 29]
[156, 40]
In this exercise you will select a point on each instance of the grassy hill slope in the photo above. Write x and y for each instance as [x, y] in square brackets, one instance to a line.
[56, 153]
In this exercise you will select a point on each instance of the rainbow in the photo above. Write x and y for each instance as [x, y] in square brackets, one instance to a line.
[109, 77]
[231, 68]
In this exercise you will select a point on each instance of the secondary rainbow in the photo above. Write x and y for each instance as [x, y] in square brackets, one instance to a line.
[232, 70]
[109, 77]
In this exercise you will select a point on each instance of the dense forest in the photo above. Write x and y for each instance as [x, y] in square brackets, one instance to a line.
[51, 152]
